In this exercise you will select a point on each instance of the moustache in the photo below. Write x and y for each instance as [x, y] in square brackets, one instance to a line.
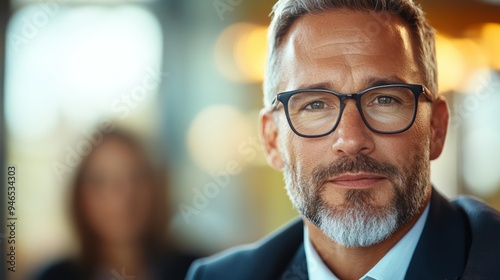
[360, 163]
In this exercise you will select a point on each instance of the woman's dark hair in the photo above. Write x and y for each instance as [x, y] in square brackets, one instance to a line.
[154, 238]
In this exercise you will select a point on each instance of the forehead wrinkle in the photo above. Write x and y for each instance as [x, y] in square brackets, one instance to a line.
[345, 41]
[352, 34]
[343, 50]
[354, 59]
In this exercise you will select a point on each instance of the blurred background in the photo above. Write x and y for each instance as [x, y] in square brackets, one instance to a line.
[188, 73]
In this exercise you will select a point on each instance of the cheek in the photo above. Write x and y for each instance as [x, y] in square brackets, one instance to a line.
[420, 133]
[305, 153]
[113, 213]
[142, 204]
[96, 209]
[400, 149]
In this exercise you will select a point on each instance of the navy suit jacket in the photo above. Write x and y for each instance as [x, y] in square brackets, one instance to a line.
[460, 240]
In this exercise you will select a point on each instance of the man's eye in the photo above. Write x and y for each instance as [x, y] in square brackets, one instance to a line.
[316, 105]
[385, 100]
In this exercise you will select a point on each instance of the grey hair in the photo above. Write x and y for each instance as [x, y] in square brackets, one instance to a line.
[286, 12]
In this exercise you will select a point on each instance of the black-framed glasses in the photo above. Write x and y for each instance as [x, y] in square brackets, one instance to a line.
[385, 109]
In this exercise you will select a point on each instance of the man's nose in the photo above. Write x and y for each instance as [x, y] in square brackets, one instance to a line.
[352, 136]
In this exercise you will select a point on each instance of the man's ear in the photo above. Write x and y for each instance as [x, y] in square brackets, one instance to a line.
[269, 138]
[439, 126]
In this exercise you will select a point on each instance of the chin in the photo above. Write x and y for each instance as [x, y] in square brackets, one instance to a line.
[377, 197]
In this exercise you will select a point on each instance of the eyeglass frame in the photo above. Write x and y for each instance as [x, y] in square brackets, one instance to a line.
[416, 89]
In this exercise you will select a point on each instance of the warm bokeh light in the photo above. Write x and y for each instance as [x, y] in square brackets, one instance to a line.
[472, 54]
[240, 52]
[250, 53]
[459, 58]
[216, 135]
[451, 64]
[491, 43]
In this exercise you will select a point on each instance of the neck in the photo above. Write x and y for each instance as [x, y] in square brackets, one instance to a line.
[129, 256]
[352, 263]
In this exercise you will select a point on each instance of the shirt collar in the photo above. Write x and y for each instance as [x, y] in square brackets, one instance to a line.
[392, 266]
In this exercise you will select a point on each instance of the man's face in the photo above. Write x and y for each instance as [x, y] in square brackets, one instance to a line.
[358, 186]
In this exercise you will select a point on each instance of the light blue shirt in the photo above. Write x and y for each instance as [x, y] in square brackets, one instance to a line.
[392, 266]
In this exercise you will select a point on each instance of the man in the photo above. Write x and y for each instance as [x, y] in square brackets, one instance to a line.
[352, 118]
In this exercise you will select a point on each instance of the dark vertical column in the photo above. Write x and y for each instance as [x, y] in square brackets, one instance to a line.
[180, 98]
[172, 15]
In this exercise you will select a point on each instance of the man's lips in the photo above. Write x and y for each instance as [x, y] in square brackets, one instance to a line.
[358, 180]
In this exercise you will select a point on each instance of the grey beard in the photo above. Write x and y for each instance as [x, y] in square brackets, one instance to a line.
[358, 223]
[357, 226]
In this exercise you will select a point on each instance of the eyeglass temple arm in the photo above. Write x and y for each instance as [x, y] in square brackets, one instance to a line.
[274, 104]
[427, 93]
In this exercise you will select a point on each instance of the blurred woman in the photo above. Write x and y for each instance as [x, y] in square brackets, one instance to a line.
[120, 215]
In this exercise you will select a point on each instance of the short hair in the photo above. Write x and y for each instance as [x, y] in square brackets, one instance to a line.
[286, 12]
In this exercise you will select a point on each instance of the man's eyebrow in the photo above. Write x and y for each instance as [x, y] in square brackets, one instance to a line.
[377, 81]
[327, 86]
[370, 82]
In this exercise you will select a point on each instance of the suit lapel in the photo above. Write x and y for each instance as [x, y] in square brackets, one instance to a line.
[441, 252]
[297, 269]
